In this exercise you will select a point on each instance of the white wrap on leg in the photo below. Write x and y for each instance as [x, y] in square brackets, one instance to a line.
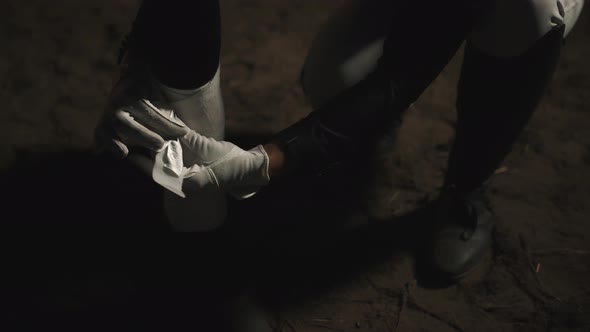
[202, 110]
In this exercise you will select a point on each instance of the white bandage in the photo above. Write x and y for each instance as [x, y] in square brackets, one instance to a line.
[201, 109]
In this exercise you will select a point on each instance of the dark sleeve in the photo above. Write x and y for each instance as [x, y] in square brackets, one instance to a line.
[181, 40]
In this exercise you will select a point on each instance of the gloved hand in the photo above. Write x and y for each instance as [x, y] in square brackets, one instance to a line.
[120, 129]
[216, 163]
[117, 130]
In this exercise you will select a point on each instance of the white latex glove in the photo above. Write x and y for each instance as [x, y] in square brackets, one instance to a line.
[224, 165]
[221, 164]
[118, 131]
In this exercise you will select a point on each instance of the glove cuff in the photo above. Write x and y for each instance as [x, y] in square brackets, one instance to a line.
[264, 169]
[261, 175]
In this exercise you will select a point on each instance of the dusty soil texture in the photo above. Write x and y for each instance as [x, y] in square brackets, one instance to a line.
[86, 245]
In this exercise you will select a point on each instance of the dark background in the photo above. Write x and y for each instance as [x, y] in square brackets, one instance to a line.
[86, 244]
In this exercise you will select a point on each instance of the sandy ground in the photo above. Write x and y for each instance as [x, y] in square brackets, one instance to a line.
[320, 266]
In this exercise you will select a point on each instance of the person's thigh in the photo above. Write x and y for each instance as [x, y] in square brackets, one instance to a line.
[345, 49]
[513, 26]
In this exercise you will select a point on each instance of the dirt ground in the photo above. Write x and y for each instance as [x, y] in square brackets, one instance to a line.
[339, 254]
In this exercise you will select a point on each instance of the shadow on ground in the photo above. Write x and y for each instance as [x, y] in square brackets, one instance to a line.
[89, 246]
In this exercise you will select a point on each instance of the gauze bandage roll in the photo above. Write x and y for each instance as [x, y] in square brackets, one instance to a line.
[202, 110]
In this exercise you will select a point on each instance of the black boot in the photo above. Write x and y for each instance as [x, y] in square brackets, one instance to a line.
[496, 98]
[462, 233]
